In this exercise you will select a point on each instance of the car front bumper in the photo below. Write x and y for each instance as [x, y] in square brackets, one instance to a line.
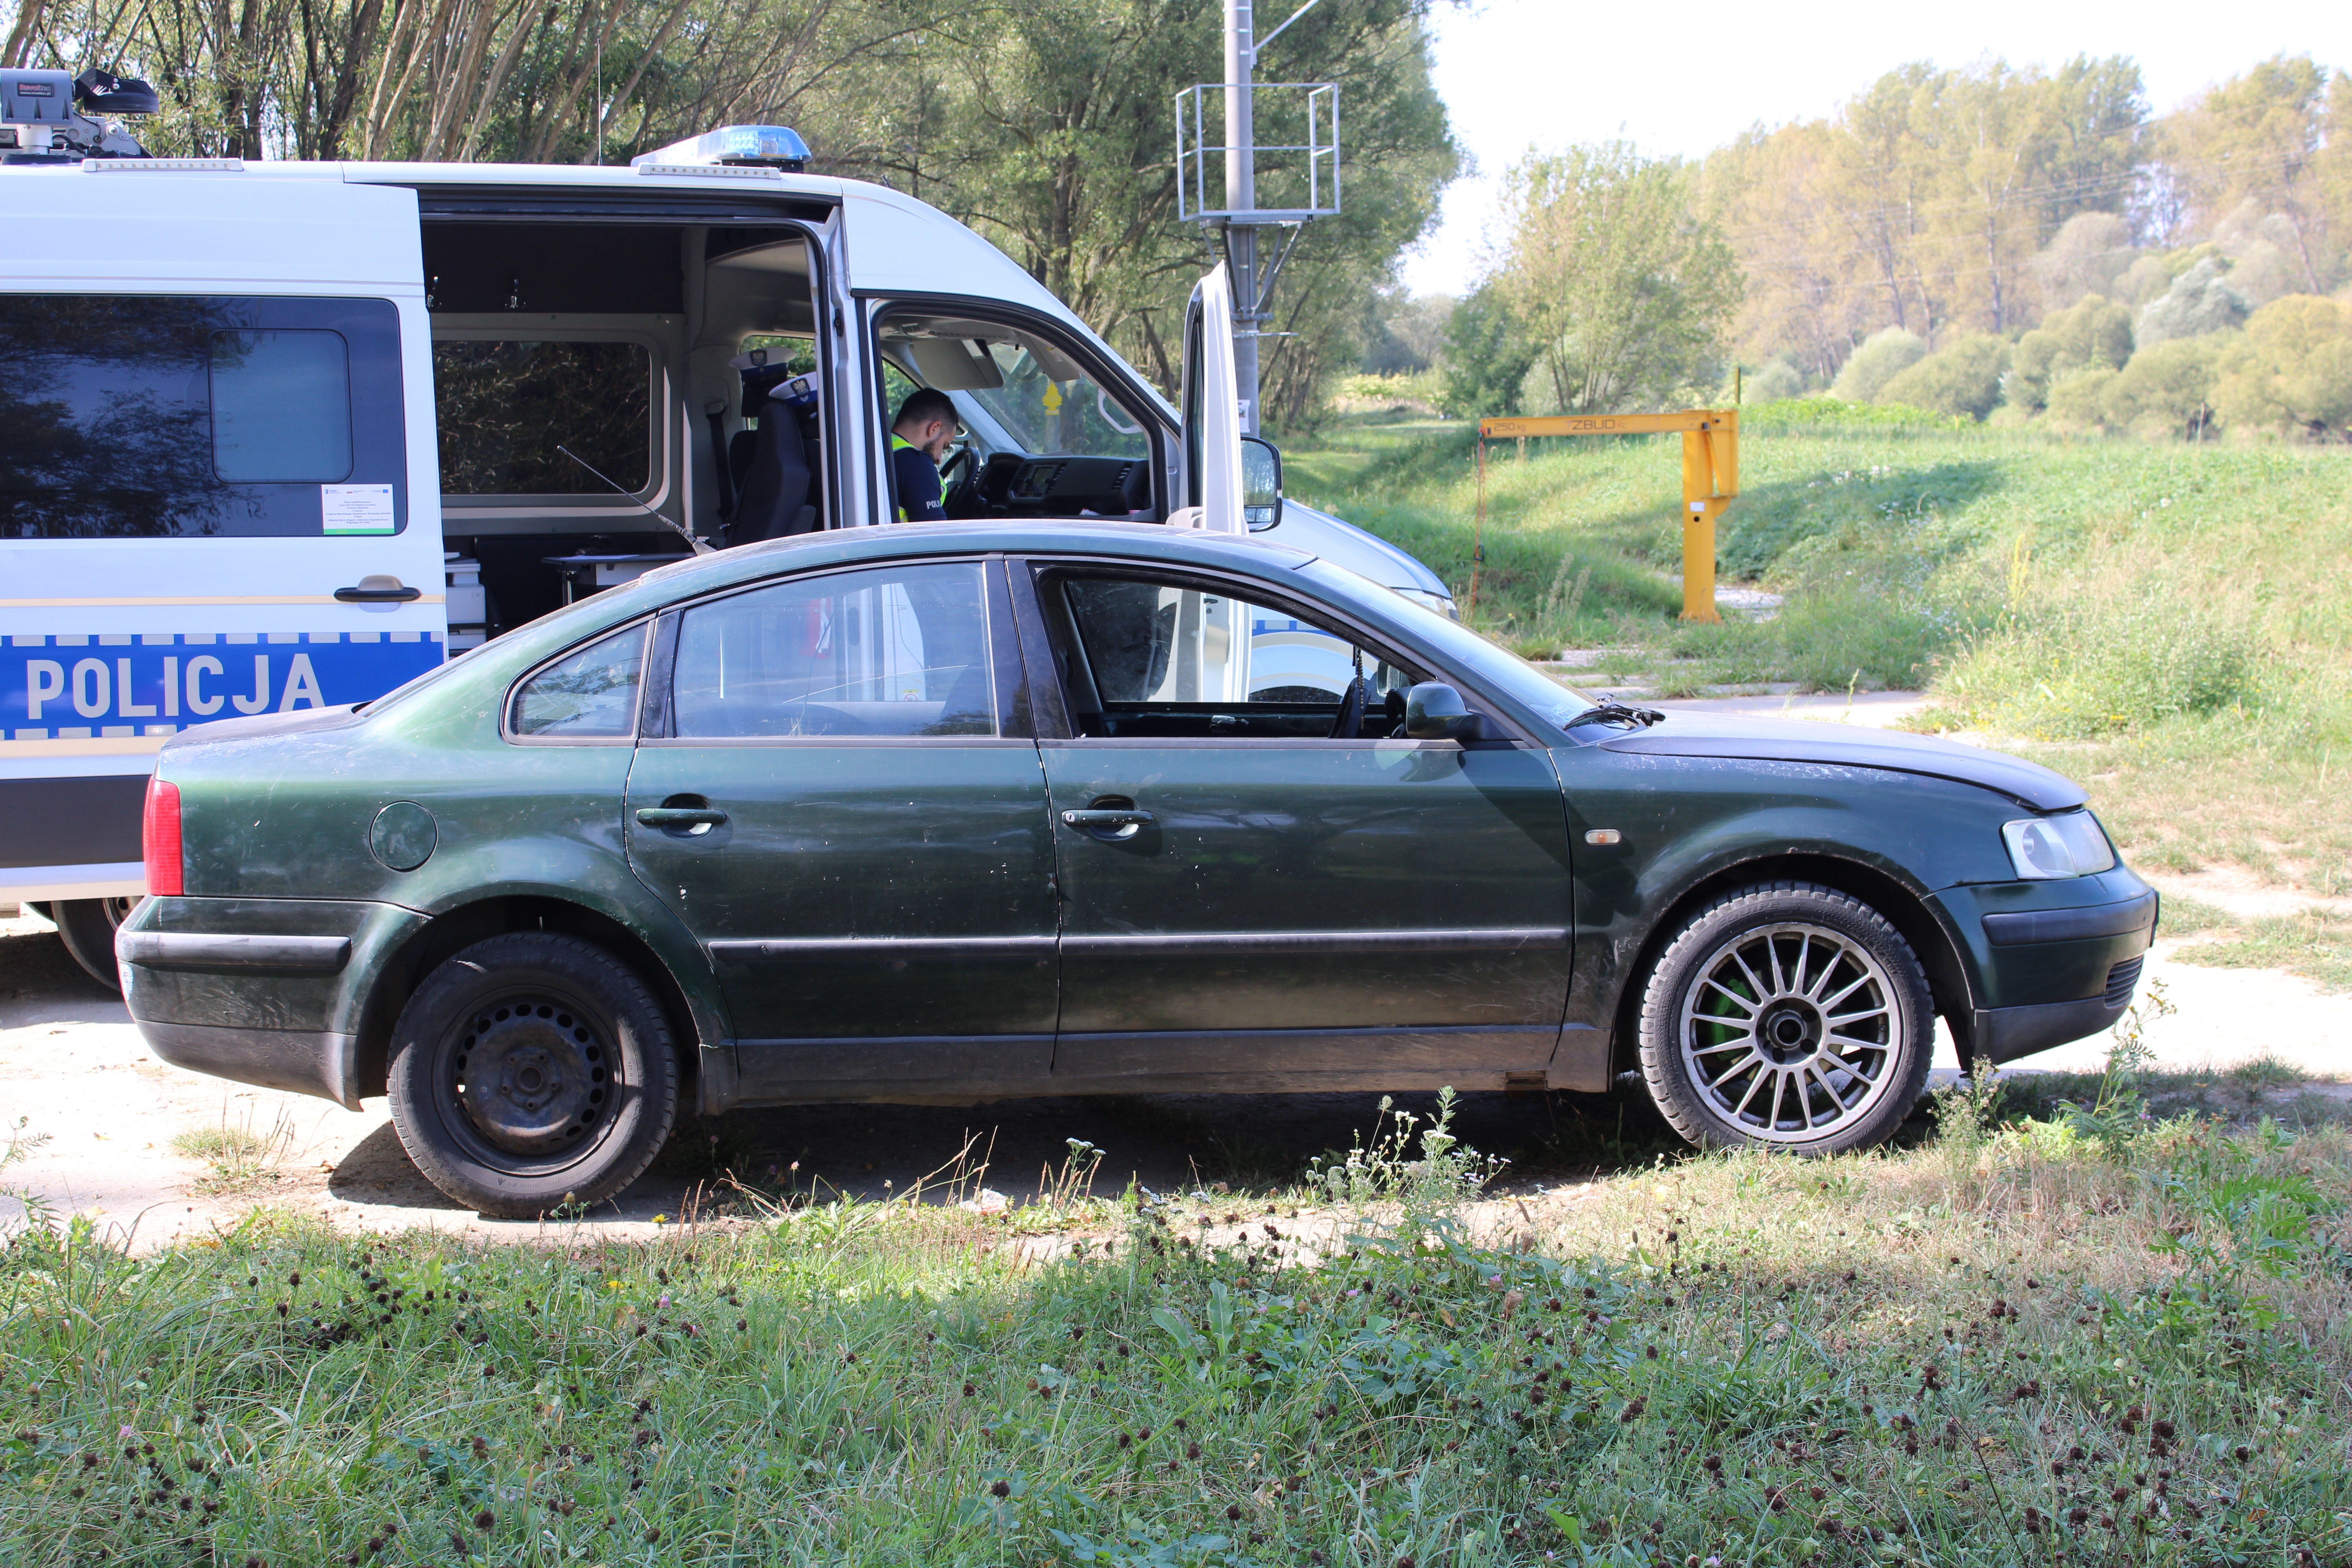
[270, 992]
[2054, 961]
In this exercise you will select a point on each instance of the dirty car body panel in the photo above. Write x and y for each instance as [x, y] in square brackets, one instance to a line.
[842, 888]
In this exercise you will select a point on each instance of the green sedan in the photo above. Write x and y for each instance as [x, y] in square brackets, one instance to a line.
[970, 811]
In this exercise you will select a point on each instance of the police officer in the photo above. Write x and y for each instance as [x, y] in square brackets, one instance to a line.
[927, 422]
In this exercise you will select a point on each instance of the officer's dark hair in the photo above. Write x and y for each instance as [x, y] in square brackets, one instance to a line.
[924, 405]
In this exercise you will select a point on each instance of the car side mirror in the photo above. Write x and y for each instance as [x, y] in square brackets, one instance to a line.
[1435, 711]
[1261, 484]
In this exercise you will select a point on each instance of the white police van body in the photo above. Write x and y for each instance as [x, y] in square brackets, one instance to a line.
[284, 435]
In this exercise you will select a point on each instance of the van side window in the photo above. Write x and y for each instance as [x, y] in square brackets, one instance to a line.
[147, 417]
[504, 405]
[281, 406]
[590, 695]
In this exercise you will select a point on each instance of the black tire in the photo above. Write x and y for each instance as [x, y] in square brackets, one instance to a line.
[1792, 994]
[532, 1072]
[86, 927]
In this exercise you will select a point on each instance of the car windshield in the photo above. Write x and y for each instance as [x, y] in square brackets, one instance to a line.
[1498, 670]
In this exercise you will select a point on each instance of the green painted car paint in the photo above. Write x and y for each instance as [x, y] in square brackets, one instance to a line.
[898, 908]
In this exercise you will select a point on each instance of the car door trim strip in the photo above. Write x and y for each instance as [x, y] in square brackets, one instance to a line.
[1272, 943]
[190, 950]
[884, 947]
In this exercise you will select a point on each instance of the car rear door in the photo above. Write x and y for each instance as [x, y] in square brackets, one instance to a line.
[834, 792]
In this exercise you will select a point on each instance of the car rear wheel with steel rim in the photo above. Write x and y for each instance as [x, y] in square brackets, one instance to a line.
[86, 927]
[532, 1072]
[1787, 1016]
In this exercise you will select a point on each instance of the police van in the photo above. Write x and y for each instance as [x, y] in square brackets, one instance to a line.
[275, 436]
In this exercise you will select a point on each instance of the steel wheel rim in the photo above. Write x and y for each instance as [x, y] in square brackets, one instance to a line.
[1791, 1033]
[532, 1081]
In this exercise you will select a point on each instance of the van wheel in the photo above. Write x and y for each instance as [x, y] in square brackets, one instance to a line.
[86, 927]
[532, 1072]
[1787, 1016]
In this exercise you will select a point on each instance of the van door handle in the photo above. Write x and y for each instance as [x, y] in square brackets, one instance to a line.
[378, 589]
[680, 817]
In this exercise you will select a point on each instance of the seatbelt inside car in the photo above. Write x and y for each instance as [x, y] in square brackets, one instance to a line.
[716, 414]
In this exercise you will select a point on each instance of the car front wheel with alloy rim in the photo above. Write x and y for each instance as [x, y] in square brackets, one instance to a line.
[1787, 1016]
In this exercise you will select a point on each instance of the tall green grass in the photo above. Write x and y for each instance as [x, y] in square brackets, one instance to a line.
[2087, 1336]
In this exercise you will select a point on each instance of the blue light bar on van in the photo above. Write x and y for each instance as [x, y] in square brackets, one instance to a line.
[757, 146]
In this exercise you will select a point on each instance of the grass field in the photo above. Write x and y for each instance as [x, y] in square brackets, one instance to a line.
[2094, 1337]
[2169, 623]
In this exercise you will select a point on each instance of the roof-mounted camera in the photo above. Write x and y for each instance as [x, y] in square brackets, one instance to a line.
[46, 116]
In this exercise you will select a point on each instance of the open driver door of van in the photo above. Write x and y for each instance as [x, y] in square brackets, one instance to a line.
[1213, 415]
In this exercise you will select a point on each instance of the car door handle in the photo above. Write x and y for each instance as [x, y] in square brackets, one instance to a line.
[680, 817]
[378, 589]
[1128, 818]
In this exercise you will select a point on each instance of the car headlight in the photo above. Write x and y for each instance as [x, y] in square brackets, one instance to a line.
[2068, 845]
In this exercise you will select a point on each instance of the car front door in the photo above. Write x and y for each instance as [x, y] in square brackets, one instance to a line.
[830, 791]
[1248, 892]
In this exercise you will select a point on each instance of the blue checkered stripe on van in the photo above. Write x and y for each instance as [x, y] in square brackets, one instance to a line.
[116, 685]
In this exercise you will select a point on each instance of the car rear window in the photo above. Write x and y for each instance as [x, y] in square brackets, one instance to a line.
[591, 695]
[888, 651]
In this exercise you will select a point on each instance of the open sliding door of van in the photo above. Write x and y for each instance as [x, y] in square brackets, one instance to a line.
[1213, 421]
[221, 494]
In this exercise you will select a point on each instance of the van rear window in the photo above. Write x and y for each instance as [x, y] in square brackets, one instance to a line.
[505, 405]
[129, 416]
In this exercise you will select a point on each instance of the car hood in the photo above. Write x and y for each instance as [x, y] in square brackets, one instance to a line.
[1366, 554]
[1687, 734]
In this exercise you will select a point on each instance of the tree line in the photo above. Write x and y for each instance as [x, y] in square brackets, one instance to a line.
[1046, 124]
[1992, 242]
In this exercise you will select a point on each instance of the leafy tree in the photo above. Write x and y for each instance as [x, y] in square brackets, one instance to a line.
[1486, 357]
[2259, 135]
[2201, 299]
[2088, 254]
[2292, 371]
[1883, 356]
[1963, 377]
[2094, 333]
[1625, 291]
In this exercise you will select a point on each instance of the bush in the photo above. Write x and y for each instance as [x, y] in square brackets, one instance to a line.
[1812, 413]
[1883, 356]
[1961, 378]
[2291, 370]
[2168, 387]
[2091, 334]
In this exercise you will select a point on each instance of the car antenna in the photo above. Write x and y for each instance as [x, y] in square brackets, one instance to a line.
[701, 547]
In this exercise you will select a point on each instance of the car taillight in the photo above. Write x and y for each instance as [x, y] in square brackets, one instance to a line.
[159, 833]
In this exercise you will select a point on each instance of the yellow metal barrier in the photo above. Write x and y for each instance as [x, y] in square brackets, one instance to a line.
[1710, 481]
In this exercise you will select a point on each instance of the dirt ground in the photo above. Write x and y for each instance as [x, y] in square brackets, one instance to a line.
[75, 1072]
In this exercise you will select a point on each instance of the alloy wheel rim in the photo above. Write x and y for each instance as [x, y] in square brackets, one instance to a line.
[532, 1078]
[1791, 1033]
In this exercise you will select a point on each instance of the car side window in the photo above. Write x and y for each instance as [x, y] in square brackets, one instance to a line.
[888, 651]
[1145, 657]
[590, 695]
